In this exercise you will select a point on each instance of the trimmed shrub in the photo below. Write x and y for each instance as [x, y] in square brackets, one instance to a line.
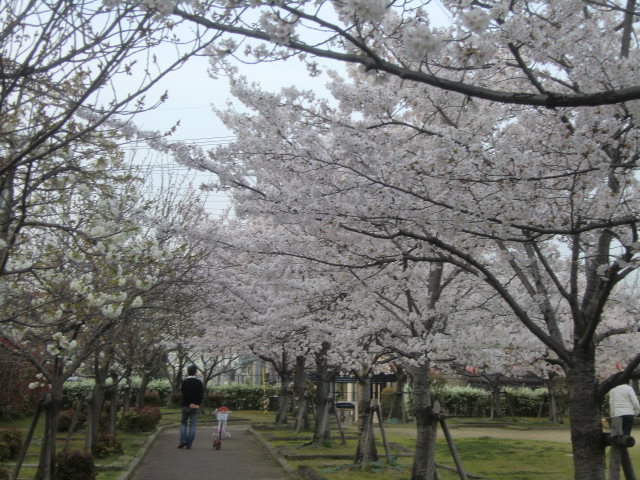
[75, 390]
[234, 396]
[215, 399]
[162, 388]
[74, 465]
[476, 402]
[151, 397]
[464, 401]
[240, 396]
[176, 399]
[66, 418]
[107, 445]
[142, 419]
[387, 396]
[526, 402]
[10, 443]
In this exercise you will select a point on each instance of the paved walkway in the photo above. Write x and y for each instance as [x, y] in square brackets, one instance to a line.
[242, 457]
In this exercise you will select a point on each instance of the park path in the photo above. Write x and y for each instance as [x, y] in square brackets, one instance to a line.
[242, 457]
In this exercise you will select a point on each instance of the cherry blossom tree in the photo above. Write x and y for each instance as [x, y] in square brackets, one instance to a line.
[269, 307]
[211, 336]
[68, 237]
[503, 143]
[81, 264]
[538, 46]
[382, 306]
[287, 311]
[539, 205]
[68, 67]
[58, 310]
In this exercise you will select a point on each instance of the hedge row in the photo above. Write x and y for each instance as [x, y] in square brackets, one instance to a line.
[455, 401]
[476, 402]
[239, 396]
[234, 396]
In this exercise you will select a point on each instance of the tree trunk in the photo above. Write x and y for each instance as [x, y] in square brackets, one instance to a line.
[177, 379]
[321, 427]
[496, 400]
[300, 394]
[366, 444]
[321, 430]
[126, 399]
[585, 419]
[52, 407]
[95, 404]
[113, 409]
[424, 460]
[283, 401]
[142, 389]
[397, 404]
[554, 414]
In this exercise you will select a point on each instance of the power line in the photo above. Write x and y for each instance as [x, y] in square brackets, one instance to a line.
[200, 142]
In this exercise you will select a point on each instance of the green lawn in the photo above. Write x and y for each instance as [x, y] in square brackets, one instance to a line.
[485, 455]
[111, 467]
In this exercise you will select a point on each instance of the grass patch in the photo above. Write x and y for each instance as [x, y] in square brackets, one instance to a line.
[485, 455]
[115, 464]
[513, 459]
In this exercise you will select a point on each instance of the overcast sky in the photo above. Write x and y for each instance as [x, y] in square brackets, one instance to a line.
[192, 93]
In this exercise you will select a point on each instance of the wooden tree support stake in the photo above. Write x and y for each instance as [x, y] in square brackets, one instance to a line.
[378, 411]
[324, 422]
[27, 440]
[334, 410]
[74, 423]
[452, 448]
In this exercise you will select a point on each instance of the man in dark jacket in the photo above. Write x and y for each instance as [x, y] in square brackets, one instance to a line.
[192, 395]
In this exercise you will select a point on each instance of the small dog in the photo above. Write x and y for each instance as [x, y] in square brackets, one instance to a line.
[217, 443]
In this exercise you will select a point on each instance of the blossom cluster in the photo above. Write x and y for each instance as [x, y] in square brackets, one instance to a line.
[419, 41]
[278, 29]
[60, 345]
[366, 10]
[476, 20]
